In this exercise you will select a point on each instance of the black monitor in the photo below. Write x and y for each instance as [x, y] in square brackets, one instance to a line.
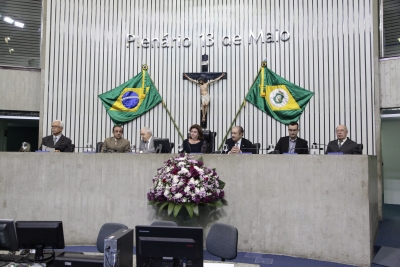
[8, 237]
[162, 145]
[40, 235]
[172, 246]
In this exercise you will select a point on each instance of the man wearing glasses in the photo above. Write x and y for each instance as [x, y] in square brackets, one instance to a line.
[57, 140]
[116, 144]
[292, 143]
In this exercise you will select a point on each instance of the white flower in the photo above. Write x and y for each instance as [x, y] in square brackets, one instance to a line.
[178, 195]
[175, 180]
[183, 170]
[166, 193]
[187, 189]
[200, 170]
[182, 163]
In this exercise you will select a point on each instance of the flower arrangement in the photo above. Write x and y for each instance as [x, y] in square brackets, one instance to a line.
[185, 182]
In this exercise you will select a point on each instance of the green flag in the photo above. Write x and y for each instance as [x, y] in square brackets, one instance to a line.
[131, 99]
[279, 98]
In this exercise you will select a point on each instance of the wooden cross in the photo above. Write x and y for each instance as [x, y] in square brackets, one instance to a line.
[204, 79]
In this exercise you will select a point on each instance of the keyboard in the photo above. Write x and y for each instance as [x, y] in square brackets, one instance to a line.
[11, 257]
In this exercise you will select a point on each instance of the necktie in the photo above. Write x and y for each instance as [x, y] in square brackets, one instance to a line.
[54, 139]
[340, 143]
[115, 142]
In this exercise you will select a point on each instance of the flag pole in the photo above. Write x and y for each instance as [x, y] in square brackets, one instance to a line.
[263, 65]
[172, 119]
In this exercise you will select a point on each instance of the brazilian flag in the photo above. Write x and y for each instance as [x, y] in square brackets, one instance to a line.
[279, 98]
[131, 99]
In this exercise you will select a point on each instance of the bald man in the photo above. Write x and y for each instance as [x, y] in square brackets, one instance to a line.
[343, 143]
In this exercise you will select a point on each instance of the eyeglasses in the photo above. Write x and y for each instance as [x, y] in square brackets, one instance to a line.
[55, 126]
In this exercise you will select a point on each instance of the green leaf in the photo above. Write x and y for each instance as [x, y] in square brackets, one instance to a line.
[189, 208]
[200, 159]
[177, 208]
[196, 209]
[152, 202]
[171, 206]
[221, 184]
[224, 201]
[162, 207]
[218, 203]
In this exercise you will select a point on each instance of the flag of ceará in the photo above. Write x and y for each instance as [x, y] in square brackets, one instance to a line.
[279, 98]
[131, 99]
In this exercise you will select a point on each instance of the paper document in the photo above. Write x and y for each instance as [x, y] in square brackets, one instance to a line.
[46, 148]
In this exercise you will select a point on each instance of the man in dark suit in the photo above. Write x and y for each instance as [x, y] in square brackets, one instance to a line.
[237, 144]
[57, 140]
[116, 144]
[343, 143]
[292, 143]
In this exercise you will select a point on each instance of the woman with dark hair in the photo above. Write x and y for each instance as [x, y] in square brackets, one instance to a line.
[196, 142]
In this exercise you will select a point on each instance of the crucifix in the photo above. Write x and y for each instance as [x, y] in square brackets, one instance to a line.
[204, 79]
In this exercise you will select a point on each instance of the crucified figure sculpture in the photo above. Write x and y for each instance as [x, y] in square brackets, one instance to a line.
[205, 96]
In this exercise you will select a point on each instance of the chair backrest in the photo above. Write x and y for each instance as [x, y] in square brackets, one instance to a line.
[255, 148]
[99, 145]
[210, 138]
[360, 148]
[106, 230]
[222, 241]
[163, 223]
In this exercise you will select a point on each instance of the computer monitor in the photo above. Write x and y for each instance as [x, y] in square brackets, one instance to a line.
[8, 236]
[40, 235]
[172, 246]
[162, 143]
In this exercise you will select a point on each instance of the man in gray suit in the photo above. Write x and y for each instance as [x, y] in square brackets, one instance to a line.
[146, 141]
[116, 144]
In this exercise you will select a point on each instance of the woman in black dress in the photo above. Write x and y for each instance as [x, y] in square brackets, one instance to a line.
[196, 142]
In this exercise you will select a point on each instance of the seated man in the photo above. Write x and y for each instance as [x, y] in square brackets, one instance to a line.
[292, 143]
[342, 143]
[146, 141]
[237, 144]
[116, 144]
[57, 140]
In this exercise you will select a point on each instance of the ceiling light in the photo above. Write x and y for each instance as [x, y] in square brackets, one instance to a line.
[10, 50]
[6, 39]
[19, 24]
[398, 39]
[9, 20]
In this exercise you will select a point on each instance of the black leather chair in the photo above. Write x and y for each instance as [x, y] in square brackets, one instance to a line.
[210, 138]
[360, 148]
[98, 147]
[255, 148]
[163, 223]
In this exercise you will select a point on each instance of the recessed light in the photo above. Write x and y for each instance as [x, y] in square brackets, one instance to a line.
[6, 39]
[9, 20]
[19, 24]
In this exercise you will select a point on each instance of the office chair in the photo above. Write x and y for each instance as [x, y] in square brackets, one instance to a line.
[163, 223]
[106, 230]
[360, 148]
[222, 241]
[255, 148]
[98, 147]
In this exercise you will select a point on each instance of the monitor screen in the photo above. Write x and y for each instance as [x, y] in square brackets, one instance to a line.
[162, 145]
[8, 237]
[39, 235]
[175, 246]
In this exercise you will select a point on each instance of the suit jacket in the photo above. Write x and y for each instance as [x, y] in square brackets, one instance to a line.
[64, 144]
[202, 147]
[348, 147]
[245, 145]
[150, 149]
[109, 145]
[283, 145]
